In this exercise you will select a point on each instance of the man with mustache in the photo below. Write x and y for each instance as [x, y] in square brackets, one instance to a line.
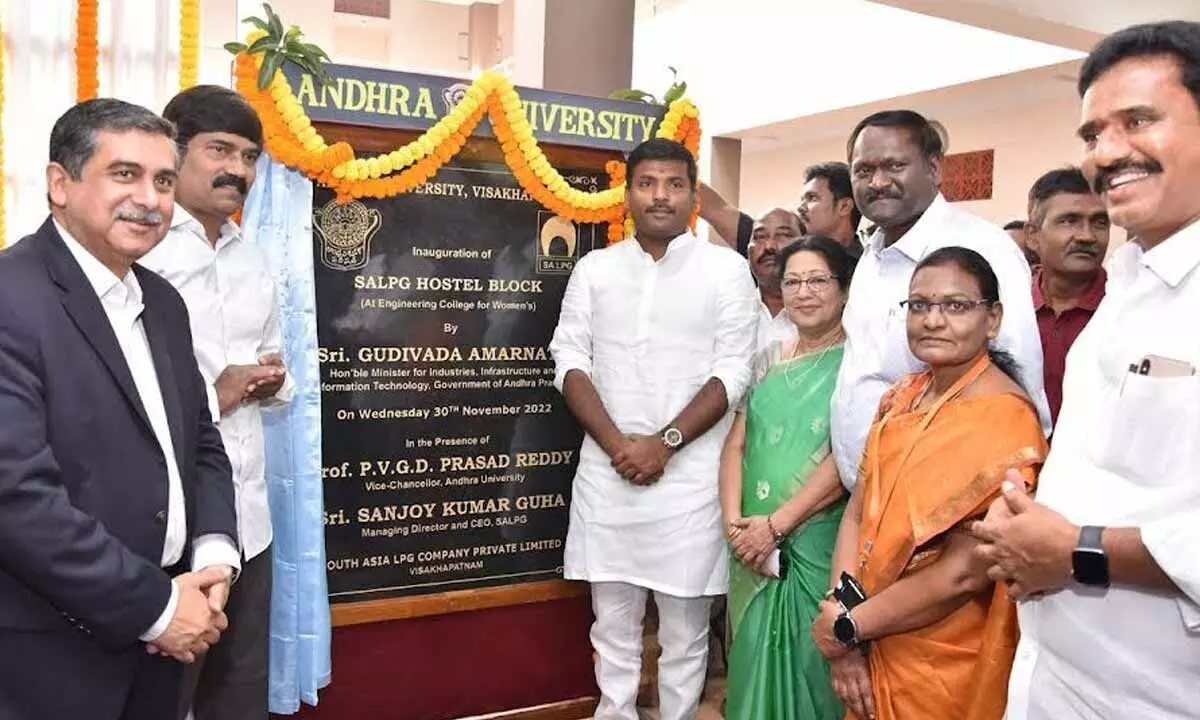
[1068, 229]
[774, 231]
[827, 205]
[117, 527]
[895, 165]
[652, 351]
[1105, 561]
[236, 333]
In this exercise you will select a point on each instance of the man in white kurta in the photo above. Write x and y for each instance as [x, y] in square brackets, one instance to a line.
[1106, 562]
[651, 335]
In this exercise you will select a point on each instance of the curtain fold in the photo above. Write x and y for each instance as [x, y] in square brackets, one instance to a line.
[278, 218]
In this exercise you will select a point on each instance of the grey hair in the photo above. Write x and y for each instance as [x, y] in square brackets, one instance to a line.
[73, 139]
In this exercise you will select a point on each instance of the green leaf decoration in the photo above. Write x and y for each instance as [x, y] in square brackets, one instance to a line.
[675, 92]
[279, 47]
[634, 95]
[235, 47]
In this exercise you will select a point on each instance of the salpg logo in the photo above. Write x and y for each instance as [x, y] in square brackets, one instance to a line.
[346, 232]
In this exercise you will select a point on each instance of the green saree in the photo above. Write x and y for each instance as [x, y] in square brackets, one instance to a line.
[775, 670]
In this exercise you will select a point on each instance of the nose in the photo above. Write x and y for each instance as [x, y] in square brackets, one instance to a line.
[145, 194]
[933, 319]
[1111, 146]
[879, 180]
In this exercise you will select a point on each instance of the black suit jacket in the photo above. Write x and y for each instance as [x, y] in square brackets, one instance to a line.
[83, 481]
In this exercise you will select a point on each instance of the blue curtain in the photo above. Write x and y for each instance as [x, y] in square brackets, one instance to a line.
[278, 218]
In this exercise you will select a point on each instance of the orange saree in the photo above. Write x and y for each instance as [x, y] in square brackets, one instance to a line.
[926, 473]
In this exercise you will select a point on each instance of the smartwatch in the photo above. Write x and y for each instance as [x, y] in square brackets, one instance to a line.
[672, 438]
[1089, 564]
[845, 630]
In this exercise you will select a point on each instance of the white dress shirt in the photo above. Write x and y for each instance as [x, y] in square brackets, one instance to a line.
[650, 335]
[235, 321]
[1126, 453]
[877, 352]
[779, 328]
[121, 299]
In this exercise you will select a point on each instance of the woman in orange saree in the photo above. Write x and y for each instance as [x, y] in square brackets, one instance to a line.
[935, 638]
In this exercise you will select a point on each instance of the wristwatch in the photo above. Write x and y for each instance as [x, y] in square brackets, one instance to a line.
[672, 438]
[845, 630]
[1089, 564]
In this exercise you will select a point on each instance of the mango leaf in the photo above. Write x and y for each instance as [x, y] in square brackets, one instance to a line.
[258, 23]
[273, 19]
[235, 47]
[315, 51]
[271, 62]
[262, 43]
[632, 94]
[675, 92]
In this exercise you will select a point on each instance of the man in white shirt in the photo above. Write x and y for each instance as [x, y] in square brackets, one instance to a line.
[652, 351]
[1106, 559]
[773, 231]
[236, 334]
[895, 164]
[113, 482]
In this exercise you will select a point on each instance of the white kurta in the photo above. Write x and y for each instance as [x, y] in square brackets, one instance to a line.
[877, 352]
[777, 329]
[1126, 453]
[650, 335]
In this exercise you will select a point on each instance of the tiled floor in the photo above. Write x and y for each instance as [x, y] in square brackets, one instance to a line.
[710, 707]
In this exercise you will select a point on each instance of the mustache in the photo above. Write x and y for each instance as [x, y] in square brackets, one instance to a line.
[767, 255]
[142, 217]
[660, 208]
[873, 195]
[1085, 248]
[234, 181]
[1104, 174]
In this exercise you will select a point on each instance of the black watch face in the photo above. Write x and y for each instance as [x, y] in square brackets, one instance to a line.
[1090, 567]
[843, 630]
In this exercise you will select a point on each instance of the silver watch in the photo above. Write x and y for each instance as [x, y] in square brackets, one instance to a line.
[672, 438]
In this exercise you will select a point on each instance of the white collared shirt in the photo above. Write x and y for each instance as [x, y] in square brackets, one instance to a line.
[121, 299]
[779, 328]
[1126, 453]
[234, 321]
[650, 335]
[877, 352]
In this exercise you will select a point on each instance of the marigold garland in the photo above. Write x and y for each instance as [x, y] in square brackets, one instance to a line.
[87, 50]
[292, 140]
[189, 43]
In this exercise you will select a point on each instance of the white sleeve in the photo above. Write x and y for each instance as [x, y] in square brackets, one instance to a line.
[571, 346]
[1173, 542]
[737, 332]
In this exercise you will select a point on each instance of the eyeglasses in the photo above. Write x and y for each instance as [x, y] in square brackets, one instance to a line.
[953, 308]
[818, 284]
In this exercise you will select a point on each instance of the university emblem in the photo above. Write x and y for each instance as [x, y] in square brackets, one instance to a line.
[454, 94]
[557, 244]
[346, 232]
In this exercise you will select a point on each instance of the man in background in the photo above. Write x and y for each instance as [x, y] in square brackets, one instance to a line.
[1068, 229]
[774, 231]
[1016, 230]
[236, 336]
[827, 205]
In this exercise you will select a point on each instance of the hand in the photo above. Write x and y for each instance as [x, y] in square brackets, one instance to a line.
[850, 676]
[236, 382]
[218, 593]
[1025, 545]
[195, 626]
[267, 388]
[822, 631]
[753, 542]
[641, 460]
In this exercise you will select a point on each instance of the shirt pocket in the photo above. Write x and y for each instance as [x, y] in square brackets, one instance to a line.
[1153, 434]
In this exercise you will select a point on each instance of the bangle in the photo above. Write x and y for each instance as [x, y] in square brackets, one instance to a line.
[779, 537]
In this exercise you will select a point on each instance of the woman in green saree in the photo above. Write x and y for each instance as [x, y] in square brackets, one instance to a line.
[780, 491]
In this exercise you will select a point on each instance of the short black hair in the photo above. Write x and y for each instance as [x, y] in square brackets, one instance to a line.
[1014, 225]
[1178, 38]
[73, 137]
[1056, 182]
[211, 108]
[837, 177]
[662, 149]
[977, 266]
[841, 263]
[923, 132]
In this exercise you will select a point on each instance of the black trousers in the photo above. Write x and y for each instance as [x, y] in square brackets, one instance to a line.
[231, 681]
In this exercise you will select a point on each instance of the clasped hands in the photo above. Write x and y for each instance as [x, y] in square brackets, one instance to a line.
[751, 540]
[641, 459]
[199, 616]
[240, 383]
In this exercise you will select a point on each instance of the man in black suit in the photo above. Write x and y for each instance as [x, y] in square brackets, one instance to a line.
[117, 527]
